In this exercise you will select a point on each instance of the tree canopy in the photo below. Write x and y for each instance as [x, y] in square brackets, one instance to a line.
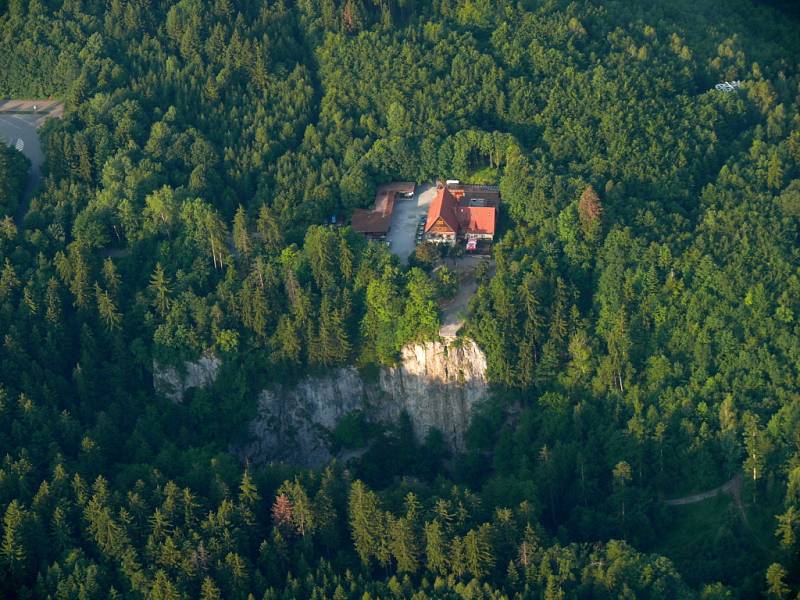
[640, 322]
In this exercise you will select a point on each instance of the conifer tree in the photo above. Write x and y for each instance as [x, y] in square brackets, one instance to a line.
[248, 499]
[241, 235]
[403, 544]
[436, 554]
[366, 521]
[12, 550]
[159, 288]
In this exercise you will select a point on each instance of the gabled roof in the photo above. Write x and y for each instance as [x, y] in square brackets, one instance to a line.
[379, 218]
[444, 206]
[399, 187]
[477, 219]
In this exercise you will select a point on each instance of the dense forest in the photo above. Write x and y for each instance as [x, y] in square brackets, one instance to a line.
[641, 324]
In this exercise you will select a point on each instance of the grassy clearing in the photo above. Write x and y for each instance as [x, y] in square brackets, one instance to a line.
[709, 541]
[484, 176]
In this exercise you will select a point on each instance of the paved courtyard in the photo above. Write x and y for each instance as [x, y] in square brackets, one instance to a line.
[18, 124]
[408, 212]
[19, 131]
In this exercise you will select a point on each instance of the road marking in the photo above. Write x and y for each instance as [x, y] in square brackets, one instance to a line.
[11, 125]
[19, 145]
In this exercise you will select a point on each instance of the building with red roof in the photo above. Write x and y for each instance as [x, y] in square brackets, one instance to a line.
[459, 213]
[376, 221]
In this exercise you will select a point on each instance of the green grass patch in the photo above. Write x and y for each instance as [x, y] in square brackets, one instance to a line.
[484, 176]
[709, 541]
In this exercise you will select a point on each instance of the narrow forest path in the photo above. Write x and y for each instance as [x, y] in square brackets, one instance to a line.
[732, 487]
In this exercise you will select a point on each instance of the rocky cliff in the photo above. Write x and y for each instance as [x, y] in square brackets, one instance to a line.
[173, 384]
[436, 383]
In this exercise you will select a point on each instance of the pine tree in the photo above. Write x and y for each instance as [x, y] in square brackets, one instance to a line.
[162, 588]
[209, 590]
[107, 309]
[269, 229]
[458, 558]
[757, 445]
[366, 521]
[159, 288]
[111, 277]
[60, 529]
[436, 548]
[79, 284]
[788, 527]
[241, 236]
[333, 342]
[8, 279]
[301, 509]
[12, 549]
[53, 304]
[478, 551]
[776, 585]
[531, 332]
[622, 474]
[325, 513]
[248, 499]
[403, 544]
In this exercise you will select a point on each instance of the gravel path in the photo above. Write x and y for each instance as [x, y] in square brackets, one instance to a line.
[455, 311]
[732, 487]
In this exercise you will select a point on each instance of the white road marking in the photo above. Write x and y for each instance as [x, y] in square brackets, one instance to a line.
[11, 125]
[19, 145]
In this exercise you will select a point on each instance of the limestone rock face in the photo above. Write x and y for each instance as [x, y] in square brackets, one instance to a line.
[294, 425]
[199, 374]
[438, 385]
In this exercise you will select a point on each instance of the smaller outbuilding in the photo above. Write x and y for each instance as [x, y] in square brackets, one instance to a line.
[376, 222]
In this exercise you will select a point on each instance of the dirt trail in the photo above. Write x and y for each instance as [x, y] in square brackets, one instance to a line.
[733, 487]
[454, 311]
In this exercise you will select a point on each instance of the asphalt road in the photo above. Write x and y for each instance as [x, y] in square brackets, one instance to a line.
[405, 218]
[16, 127]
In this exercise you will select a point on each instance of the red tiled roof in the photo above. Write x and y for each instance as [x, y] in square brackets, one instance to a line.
[379, 218]
[368, 221]
[444, 206]
[401, 187]
[477, 219]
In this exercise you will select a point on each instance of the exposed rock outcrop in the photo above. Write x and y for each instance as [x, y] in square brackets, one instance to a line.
[294, 425]
[198, 374]
[437, 383]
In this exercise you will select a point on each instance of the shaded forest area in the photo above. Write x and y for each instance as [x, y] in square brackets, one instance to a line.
[641, 326]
